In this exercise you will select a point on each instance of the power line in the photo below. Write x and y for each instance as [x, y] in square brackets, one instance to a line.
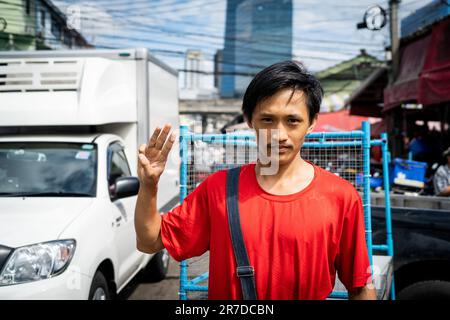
[171, 43]
[255, 51]
[176, 6]
[220, 37]
[201, 35]
[177, 53]
[302, 39]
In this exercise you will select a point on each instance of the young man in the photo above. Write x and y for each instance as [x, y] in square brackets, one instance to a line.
[300, 224]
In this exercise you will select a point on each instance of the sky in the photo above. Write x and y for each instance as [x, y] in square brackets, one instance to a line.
[324, 32]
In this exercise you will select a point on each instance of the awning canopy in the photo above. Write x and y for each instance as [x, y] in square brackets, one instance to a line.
[406, 86]
[424, 71]
[435, 78]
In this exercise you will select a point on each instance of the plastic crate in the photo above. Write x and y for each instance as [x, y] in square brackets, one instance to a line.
[375, 182]
[408, 173]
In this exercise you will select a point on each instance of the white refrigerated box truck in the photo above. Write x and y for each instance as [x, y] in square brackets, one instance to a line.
[70, 126]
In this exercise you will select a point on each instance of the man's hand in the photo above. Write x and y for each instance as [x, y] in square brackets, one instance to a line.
[153, 156]
[151, 163]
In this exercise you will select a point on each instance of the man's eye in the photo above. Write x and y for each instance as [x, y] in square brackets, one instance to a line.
[293, 121]
[266, 120]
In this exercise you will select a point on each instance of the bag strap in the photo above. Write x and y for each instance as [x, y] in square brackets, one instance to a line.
[244, 270]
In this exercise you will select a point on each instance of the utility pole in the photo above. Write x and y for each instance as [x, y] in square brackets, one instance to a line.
[373, 22]
[395, 126]
[393, 17]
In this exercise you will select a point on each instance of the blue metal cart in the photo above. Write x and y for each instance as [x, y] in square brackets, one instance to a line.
[347, 154]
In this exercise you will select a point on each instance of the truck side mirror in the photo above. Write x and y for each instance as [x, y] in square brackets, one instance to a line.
[126, 187]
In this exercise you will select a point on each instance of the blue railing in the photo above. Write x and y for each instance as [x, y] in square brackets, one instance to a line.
[360, 138]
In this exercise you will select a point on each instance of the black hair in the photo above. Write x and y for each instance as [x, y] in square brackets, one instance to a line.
[279, 76]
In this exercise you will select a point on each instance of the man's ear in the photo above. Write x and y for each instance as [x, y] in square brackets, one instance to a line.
[249, 123]
[313, 124]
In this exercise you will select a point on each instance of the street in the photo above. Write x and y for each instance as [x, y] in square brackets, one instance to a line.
[167, 289]
[336, 113]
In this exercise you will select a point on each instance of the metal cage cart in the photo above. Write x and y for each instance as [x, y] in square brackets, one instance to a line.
[346, 154]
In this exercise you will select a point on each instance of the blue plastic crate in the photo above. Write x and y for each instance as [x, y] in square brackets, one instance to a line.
[408, 173]
[375, 182]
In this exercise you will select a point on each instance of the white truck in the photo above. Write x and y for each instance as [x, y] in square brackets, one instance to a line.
[70, 126]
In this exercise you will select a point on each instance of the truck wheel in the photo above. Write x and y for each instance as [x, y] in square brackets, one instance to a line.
[99, 288]
[157, 267]
[426, 290]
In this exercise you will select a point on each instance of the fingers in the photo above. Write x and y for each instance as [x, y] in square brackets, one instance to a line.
[158, 143]
[154, 137]
[162, 137]
[143, 161]
[168, 146]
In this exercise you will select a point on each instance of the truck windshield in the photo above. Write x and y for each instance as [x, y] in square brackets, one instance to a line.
[47, 169]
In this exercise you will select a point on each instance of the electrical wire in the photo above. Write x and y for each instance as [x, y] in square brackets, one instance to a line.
[181, 33]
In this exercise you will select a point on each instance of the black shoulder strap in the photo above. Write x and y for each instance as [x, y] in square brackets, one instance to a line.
[244, 270]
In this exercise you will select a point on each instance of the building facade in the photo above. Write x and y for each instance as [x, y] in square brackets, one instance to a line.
[258, 33]
[197, 83]
[36, 25]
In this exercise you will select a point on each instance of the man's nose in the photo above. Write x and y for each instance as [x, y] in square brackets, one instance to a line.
[280, 134]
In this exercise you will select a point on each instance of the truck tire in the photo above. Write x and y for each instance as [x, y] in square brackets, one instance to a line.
[99, 288]
[426, 290]
[157, 267]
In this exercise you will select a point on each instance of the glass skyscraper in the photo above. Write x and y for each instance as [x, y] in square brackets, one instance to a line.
[258, 33]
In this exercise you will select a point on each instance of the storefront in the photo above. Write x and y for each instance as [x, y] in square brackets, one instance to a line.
[419, 96]
[421, 91]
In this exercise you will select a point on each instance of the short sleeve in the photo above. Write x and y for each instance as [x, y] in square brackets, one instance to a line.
[352, 261]
[440, 181]
[185, 230]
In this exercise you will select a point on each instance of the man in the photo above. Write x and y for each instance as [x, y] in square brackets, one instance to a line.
[442, 177]
[419, 146]
[300, 224]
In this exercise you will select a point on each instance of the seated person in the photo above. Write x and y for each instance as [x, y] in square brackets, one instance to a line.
[442, 177]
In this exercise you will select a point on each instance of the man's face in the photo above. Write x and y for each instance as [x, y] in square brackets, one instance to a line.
[282, 122]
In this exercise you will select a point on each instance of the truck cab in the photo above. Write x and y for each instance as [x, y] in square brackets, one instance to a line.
[68, 184]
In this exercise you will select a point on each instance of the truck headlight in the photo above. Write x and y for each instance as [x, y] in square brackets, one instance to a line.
[37, 262]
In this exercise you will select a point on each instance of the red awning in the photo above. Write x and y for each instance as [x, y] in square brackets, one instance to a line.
[435, 78]
[424, 72]
[338, 121]
[406, 86]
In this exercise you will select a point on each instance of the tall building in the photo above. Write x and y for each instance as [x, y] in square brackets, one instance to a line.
[258, 33]
[197, 85]
[192, 63]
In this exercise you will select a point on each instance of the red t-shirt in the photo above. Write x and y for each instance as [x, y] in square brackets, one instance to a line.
[295, 242]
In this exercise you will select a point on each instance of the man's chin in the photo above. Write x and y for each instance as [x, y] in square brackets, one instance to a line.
[282, 159]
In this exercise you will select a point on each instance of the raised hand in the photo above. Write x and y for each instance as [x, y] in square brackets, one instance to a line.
[153, 156]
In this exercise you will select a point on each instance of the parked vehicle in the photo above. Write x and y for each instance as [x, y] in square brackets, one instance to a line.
[70, 126]
[421, 229]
